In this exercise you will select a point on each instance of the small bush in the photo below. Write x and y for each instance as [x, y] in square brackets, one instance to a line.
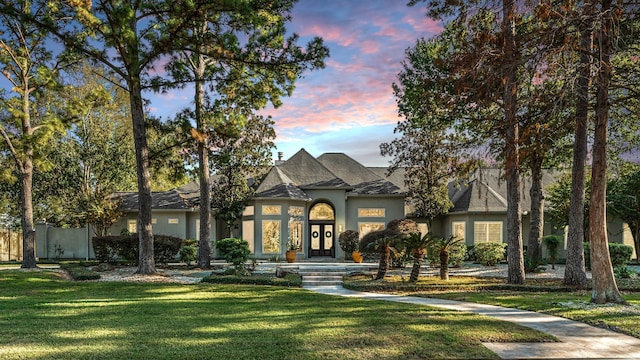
[80, 273]
[471, 253]
[234, 250]
[490, 253]
[620, 255]
[552, 243]
[291, 280]
[457, 254]
[104, 248]
[348, 241]
[623, 272]
[188, 254]
[165, 248]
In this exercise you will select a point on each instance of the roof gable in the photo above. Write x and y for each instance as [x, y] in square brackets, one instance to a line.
[486, 191]
[277, 184]
[307, 172]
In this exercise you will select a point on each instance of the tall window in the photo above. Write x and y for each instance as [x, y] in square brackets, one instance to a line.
[247, 234]
[458, 229]
[271, 236]
[132, 226]
[487, 231]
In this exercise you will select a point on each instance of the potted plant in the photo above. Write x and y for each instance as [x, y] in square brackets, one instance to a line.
[292, 250]
[295, 241]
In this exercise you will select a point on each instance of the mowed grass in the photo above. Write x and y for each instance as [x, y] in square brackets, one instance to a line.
[571, 305]
[541, 295]
[44, 316]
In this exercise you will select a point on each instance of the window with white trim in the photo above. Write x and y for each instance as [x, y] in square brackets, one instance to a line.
[487, 231]
[271, 236]
[458, 229]
[132, 226]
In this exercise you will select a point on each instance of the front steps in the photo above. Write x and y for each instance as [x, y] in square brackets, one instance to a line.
[319, 275]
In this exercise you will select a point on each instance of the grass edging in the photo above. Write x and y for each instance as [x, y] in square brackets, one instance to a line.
[80, 273]
[289, 280]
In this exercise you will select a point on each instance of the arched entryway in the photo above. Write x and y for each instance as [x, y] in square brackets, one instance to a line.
[322, 223]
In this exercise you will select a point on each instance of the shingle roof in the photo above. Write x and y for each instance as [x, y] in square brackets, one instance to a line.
[364, 180]
[277, 184]
[302, 171]
[486, 191]
[307, 172]
[183, 198]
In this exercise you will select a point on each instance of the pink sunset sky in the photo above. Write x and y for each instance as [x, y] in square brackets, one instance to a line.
[349, 105]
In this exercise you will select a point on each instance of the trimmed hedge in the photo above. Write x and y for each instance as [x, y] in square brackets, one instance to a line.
[620, 254]
[289, 280]
[80, 273]
[490, 253]
[106, 248]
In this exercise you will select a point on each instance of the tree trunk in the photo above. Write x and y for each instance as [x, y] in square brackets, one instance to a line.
[384, 263]
[418, 258]
[575, 273]
[605, 289]
[514, 221]
[146, 263]
[204, 247]
[28, 232]
[444, 264]
[534, 245]
[636, 238]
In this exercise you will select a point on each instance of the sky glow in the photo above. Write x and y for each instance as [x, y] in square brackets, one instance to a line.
[349, 105]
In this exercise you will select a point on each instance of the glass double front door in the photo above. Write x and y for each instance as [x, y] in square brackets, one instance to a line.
[322, 243]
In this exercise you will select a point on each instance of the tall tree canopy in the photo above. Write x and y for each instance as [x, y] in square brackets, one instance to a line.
[238, 60]
[28, 118]
[430, 152]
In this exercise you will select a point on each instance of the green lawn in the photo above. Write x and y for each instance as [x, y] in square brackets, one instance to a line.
[570, 305]
[46, 317]
[546, 296]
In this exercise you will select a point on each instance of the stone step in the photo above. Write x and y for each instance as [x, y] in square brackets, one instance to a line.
[320, 283]
[321, 279]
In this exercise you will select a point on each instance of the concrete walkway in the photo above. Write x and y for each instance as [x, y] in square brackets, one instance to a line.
[577, 340]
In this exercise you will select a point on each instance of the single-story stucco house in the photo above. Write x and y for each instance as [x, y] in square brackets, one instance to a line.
[310, 201]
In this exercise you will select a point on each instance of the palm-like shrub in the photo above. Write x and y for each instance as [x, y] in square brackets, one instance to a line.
[417, 245]
[383, 243]
[443, 246]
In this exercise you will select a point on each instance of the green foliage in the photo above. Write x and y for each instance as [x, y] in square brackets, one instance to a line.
[428, 150]
[367, 243]
[126, 247]
[348, 241]
[290, 280]
[457, 252]
[552, 242]
[165, 247]
[234, 250]
[623, 198]
[620, 255]
[188, 254]
[80, 273]
[557, 199]
[623, 272]
[490, 253]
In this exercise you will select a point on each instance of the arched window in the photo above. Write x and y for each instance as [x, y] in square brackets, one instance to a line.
[321, 211]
